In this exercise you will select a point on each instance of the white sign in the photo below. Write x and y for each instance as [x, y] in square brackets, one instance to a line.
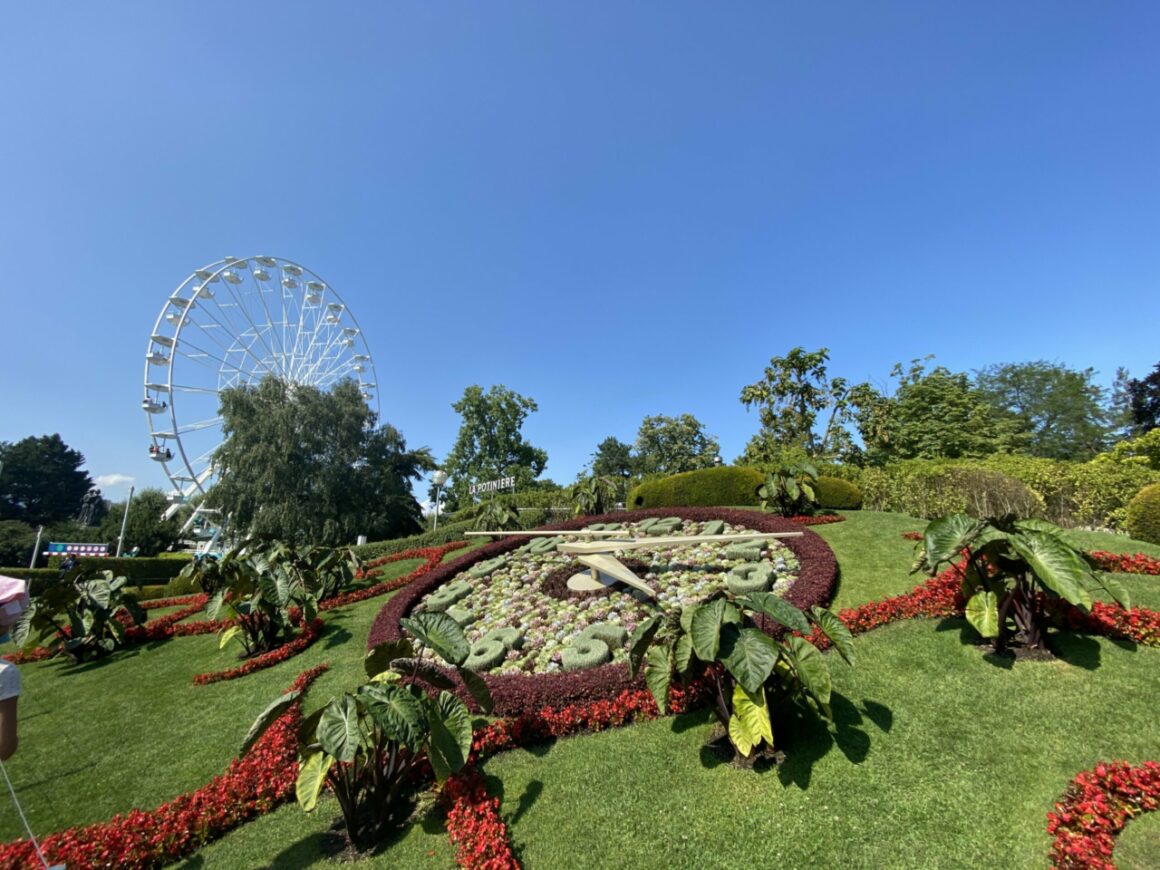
[492, 485]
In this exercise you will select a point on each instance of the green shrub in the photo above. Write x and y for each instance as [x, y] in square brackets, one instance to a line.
[1143, 515]
[835, 493]
[138, 571]
[933, 488]
[1094, 493]
[727, 485]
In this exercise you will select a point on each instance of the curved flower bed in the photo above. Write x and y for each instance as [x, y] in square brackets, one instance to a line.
[276, 656]
[1126, 563]
[514, 693]
[1095, 808]
[149, 838]
[171, 624]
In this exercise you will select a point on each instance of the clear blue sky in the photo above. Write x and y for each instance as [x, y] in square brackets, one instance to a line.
[617, 209]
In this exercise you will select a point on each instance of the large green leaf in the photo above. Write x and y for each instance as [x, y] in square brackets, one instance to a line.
[227, 635]
[1113, 587]
[944, 539]
[749, 724]
[811, 668]
[640, 641]
[705, 627]
[478, 689]
[658, 674]
[338, 728]
[836, 631]
[749, 655]
[213, 606]
[1055, 564]
[379, 658]
[424, 670]
[397, 711]
[440, 632]
[683, 654]
[267, 718]
[983, 613]
[313, 767]
[777, 609]
[450, 740]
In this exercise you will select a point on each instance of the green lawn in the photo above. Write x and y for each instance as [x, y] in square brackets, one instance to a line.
[940, 758]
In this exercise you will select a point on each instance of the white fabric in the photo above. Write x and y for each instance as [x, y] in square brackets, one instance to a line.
[9, 680]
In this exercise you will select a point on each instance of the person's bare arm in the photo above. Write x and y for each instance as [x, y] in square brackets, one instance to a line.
[8, 738]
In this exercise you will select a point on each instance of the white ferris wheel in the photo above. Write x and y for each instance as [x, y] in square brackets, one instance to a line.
[231, 324]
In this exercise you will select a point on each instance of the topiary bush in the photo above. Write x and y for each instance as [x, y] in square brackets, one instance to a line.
[1143, 515]
[708, 487]
[834, 493]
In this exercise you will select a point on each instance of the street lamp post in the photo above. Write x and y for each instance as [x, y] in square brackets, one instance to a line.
[438, 478]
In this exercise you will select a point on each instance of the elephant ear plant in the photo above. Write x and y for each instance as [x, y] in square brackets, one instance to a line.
[789, 490]
[1012, 569]
[370, 746]
[87, 617]
[256, 587]
[593, 495]
[750, 672]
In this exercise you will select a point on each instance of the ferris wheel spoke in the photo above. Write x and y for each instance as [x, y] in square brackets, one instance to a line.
[199, 426]
[261, 294]
[257, 330]
[231, 328]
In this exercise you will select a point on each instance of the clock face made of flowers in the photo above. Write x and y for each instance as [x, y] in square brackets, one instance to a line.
[561, 603]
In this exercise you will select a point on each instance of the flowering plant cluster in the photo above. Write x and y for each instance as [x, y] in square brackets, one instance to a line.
[1125, 563]
[275, 656]
[818, 520]
[140, 838]
[1139, 625]
[175, 601]
[474, 827]
[431, 557]
[1095, 808]
[912, 536]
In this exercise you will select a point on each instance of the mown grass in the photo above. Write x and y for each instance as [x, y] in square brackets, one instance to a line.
[940, 757]
[133, 730]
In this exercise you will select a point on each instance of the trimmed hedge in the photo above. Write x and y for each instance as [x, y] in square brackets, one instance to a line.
[445, 534]
[922, 488]
[139, 571]
[1143, 515]
[513, 693]
[708, 487]
[834, 493]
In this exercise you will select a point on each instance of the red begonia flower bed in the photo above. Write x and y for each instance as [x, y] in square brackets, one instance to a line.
[1126, 563]
[150, 838]
[515, 693]
[1095, 808]
[276, 656]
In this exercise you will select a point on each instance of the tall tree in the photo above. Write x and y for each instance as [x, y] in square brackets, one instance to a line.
[1138, 401]
[613, 458]
[668, 445]
[145, 528]
[41, 480]
[1060, 410]
[305, 465]
[931, 415]
[792, 393]
[489, 444]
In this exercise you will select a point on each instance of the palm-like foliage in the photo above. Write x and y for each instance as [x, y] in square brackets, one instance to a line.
[1013, 568]
[593, 495]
